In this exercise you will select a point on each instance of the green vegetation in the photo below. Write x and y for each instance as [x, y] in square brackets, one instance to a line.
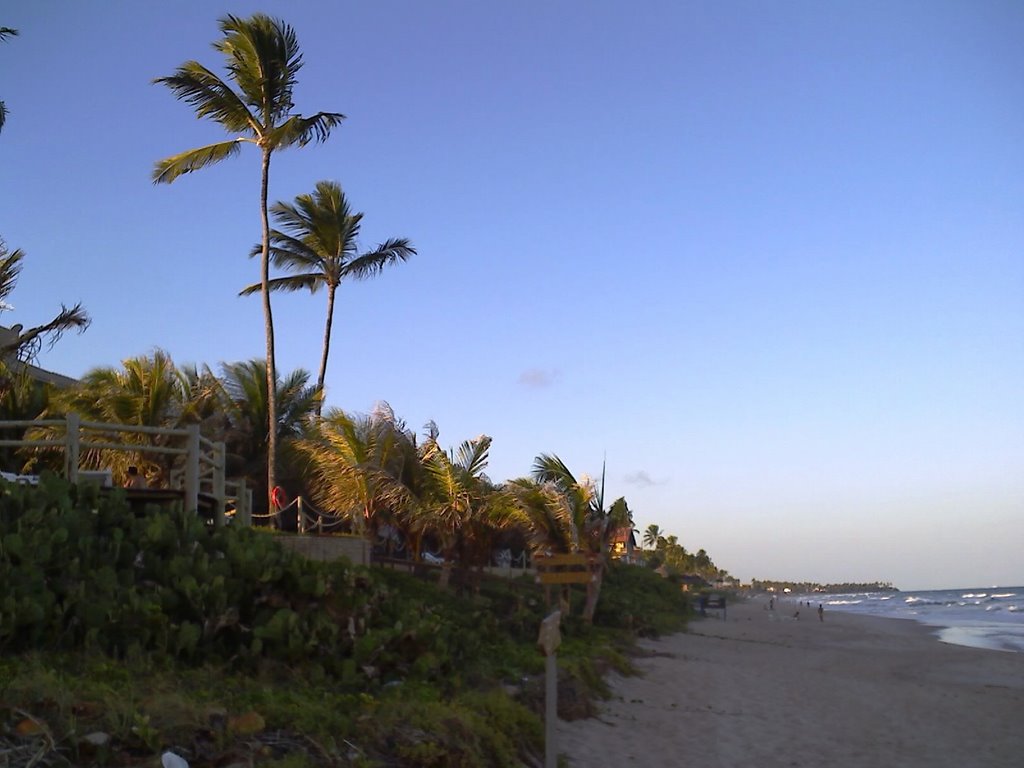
[667, 553]
[806, 587]
[123, 636]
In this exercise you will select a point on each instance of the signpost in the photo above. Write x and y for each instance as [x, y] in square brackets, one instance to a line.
[549, 639]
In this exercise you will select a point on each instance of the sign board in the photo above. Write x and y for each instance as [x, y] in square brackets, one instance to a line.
[562, 569]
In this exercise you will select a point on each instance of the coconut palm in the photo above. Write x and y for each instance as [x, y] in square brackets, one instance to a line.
[244, 403]
[262, 60]
[460, 504]
[651, 536]
[318, 242]
[5, 32]
[25, 344]
[591, 522]
[148, 391]
[356, 465]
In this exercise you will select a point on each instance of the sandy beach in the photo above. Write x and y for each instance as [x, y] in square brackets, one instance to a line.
[761, 689]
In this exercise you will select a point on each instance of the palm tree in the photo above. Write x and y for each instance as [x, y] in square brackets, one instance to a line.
[25, 344]
[262, 59]
[357, 465]
[244, 403]
[317, 241]
[461, 505]
[651, 536]
[5, 32]
[591, 523]
[149, 391]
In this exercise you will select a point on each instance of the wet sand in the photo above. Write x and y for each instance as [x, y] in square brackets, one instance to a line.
[764, 690]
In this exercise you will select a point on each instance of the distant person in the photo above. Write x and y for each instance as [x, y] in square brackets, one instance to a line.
[771, 604]
[135, 480]
[821, 612]
[797, 615]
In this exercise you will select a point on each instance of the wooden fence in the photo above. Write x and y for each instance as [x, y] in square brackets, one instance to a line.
[204, 460]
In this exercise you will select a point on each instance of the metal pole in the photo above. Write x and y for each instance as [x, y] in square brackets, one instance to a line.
[192, 470]
[549, 639]
[550, 710]
[219, 464]
[71, 447]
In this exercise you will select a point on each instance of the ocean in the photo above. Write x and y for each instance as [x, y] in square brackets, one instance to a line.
[991, 617]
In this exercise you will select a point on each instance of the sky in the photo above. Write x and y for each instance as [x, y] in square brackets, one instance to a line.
[764, 259]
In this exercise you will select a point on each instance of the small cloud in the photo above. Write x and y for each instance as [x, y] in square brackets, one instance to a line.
[641, 478]
[535, 378]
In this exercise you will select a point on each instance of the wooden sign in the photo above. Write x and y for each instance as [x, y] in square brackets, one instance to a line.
[562, 569]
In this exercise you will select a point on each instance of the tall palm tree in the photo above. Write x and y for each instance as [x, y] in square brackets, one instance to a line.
[318, 241]
[262, 60]
[5, 32]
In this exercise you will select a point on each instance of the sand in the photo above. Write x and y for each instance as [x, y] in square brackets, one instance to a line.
[761, 689]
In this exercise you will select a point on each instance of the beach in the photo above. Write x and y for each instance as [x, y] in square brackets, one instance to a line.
[765, 690]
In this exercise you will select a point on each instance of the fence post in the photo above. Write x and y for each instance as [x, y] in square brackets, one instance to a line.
[192, 470]
[71, 447]
[243, 505]
[219, 464]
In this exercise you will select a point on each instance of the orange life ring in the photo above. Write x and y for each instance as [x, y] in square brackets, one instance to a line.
[278, 498]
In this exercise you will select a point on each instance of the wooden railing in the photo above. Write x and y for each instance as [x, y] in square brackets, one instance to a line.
[204, 460]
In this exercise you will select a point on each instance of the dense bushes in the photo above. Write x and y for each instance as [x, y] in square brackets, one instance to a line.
[641, 601]
[378, 664]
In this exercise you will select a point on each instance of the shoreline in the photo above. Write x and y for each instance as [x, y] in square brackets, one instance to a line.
[773, 692]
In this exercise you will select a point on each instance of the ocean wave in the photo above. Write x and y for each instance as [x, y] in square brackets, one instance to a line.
[1004, 594]
[969, 595]
[922, 601]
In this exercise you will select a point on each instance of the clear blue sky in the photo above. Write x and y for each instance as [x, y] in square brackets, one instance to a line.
[766, 256]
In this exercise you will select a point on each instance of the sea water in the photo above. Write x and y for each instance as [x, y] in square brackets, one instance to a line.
[991, 617]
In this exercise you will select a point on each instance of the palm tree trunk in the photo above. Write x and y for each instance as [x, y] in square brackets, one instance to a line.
[593, 594]
[327, 346]
[268, 319]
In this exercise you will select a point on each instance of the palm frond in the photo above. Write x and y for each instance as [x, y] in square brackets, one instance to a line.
[298, 130]
[387, 253]
[264, 59]
[6, 32]
[27, 342]
[548, 468]
[211, 97]
[290, 283]
[170, 168]
[10, 269]
[473, 455]
[3, 115]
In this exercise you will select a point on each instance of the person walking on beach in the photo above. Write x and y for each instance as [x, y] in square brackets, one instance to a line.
[821, 612]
